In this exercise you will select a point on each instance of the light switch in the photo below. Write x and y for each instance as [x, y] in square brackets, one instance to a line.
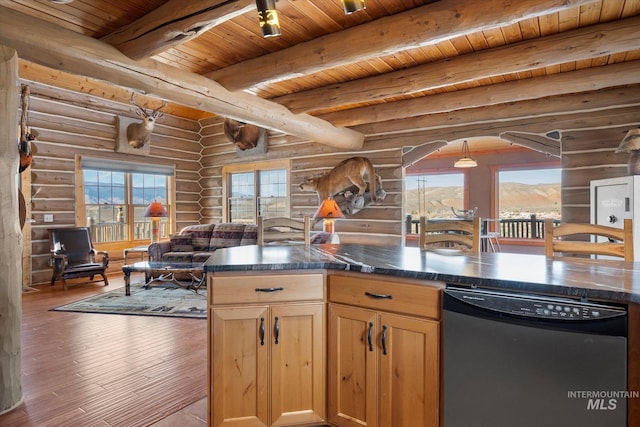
[48, 217]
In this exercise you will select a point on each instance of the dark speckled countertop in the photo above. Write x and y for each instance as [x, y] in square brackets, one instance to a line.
[576, 277]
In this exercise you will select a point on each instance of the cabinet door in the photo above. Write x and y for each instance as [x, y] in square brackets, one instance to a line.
[297, 364]
[239, 366]
[352, 367]
[409, 371]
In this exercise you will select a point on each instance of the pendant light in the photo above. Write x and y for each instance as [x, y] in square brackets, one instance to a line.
[351, 6]
[268, 18]
[465, 161]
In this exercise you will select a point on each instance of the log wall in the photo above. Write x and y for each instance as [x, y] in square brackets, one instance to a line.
[70, 123]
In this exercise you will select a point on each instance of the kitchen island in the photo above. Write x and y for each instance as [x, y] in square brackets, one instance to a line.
[258, 291]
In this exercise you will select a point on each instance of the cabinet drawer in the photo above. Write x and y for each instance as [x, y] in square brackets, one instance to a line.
[404, 298]
[241, 289]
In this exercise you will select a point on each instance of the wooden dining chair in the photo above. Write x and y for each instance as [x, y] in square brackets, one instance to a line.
[453, 233]
[618, 243]
[283, 230]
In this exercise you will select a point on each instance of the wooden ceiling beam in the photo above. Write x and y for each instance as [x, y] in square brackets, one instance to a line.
[584, 80]
[174, 23]
[554, 106]
[577, 45]
[61, 49]
[422, 26]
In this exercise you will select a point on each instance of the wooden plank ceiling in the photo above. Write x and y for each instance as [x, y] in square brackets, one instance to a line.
[395, 59]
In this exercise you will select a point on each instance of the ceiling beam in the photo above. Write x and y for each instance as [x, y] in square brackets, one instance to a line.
[554, 106]
[420, 152]
[584, 80]
[61, 49]
[534, 141]
[422, 26]
[174, 23]
[577, 45]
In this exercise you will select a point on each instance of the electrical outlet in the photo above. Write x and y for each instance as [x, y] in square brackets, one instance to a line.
[48, 217]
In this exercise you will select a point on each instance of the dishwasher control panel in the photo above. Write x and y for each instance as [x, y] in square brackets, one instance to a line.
[535, 306]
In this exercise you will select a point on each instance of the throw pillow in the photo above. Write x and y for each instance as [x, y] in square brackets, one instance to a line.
[181, 242]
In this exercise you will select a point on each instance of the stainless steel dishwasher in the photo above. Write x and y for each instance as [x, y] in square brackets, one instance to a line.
[519, 360]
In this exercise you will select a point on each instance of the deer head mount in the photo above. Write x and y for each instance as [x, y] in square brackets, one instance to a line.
[244, 135]
[138, 134]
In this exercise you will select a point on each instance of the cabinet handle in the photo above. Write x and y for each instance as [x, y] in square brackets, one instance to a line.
[277, 328]
[384, 339]
[378, 296]
[370, 336]
[269, 289]
[262, 331]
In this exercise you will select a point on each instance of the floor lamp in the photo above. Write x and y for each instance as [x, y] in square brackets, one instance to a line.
[155, 211]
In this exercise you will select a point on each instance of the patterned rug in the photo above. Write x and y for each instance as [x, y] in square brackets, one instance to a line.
[164, 299]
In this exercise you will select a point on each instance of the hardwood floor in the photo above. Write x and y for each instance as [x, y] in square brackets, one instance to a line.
[84, 369]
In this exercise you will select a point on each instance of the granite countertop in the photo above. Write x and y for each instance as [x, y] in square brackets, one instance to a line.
[575, 277]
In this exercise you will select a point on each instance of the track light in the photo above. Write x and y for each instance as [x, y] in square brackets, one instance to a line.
[268, 18]
[351, 6]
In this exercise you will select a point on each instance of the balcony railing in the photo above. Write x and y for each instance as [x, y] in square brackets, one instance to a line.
[510, 228]
[106, 232]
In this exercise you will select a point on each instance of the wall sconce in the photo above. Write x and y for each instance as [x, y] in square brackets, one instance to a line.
[465, 161]
[155, 211]
[351, 6]
[328, 211]
[268, 18]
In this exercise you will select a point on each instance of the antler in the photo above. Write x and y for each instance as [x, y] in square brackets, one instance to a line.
[156, 113]
[141, 111]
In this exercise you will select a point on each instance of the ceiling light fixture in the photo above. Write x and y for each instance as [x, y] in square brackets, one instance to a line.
[351, 6]
[465, 161]
[268, 18]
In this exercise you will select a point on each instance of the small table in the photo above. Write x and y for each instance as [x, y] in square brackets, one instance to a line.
[166, 272]
[138, 250]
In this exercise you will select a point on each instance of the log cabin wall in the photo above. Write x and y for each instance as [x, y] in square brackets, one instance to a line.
[376, 224]
[70, 123]
[588, 138]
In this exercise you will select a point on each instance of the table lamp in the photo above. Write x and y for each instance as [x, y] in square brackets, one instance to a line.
[328, 211]
[155, 211]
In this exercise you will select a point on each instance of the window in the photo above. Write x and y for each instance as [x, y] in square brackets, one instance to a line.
[116, 196]
[259, 191]
[433, 195]
[525, 198]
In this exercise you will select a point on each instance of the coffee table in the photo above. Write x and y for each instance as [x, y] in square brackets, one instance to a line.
[166, 272]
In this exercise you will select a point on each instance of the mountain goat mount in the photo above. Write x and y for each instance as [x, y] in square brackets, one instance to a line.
[134, 136]
[353, 183]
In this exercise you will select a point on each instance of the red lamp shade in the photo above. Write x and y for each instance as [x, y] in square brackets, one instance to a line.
[155, 210]
[329, 211]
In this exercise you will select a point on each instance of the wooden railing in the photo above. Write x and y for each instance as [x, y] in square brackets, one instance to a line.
[511, 228]
[115, 231]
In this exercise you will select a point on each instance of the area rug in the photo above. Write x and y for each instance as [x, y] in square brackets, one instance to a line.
[164, 299]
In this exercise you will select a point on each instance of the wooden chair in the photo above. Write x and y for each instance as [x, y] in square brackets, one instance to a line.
[282, 230]
[73, 255]
[451, 232]
[619, 244]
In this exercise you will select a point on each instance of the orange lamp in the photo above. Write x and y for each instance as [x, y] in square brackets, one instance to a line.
[155, 211]
[328, 211]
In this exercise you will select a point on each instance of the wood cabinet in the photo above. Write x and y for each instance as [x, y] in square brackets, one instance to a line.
[267, 350]
[383, 352]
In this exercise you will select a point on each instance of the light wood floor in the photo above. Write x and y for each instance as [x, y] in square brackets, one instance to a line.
[83, 369]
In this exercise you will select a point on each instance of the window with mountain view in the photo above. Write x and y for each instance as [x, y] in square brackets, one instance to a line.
[434, 195]
[525, 198]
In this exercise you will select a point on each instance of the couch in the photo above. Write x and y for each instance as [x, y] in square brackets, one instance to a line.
[196, 243]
